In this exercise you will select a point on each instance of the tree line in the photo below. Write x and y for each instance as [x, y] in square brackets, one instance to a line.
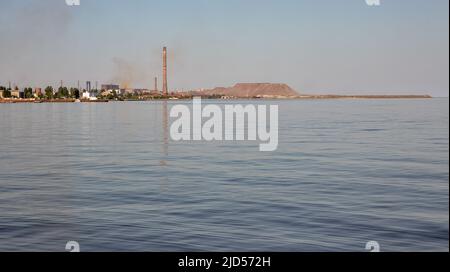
[49, 93]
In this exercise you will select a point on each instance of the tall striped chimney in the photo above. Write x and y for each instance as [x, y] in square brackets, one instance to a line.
[165, 87]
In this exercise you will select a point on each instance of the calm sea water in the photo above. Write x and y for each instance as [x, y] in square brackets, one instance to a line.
[106, 175]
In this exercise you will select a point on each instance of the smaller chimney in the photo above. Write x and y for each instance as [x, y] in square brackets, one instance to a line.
[165, 87]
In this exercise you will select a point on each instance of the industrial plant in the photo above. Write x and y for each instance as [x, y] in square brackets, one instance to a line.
[107, 91]
[115, 92]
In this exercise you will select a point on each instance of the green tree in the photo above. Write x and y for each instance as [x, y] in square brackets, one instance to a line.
[6, 92]
[28, 92]
[75, 93]
[66, 92]
[49, 92]
[63, 92]
[112, 96]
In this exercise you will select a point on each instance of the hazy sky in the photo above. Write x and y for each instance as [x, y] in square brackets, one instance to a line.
[315, 46]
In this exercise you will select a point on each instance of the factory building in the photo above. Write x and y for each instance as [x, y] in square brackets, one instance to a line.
[88, 94]
[110, 87]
